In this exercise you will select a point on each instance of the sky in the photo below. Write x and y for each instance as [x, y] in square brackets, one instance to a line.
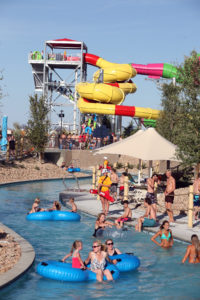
[120, 31]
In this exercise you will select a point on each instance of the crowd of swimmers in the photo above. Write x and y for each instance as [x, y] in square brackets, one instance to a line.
[101, 253]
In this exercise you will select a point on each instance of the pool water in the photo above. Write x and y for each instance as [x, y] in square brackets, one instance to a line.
[160, 276]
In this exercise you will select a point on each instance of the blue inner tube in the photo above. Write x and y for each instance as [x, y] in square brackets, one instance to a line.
[126, 262]
[55, 215]
[64, 272]
[71, 170]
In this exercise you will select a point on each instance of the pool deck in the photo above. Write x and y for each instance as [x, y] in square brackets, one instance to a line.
[89, 204]
[25, 262]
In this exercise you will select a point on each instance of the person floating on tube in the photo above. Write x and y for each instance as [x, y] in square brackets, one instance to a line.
[103, 191]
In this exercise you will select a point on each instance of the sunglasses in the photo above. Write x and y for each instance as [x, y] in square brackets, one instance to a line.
[95, 246]
[109, 244]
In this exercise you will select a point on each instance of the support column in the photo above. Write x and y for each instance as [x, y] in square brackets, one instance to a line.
[93, 178]
[75, 104]
[98, 176]
[190, 207]
[126, 188]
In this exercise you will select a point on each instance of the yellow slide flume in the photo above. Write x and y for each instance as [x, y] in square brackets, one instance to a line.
[114, 72]
[100, 92]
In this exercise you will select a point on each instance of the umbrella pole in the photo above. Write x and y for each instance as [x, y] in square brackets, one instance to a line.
[150, 168]
[139, 171]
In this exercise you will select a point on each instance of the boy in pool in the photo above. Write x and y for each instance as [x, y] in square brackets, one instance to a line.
[127, 215]
[73, 205]
[149, 218]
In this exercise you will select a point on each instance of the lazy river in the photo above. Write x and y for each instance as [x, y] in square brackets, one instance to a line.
[160, 275]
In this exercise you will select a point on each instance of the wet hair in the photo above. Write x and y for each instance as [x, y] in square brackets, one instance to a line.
[125, 202]
[125, 173]
[163, 224]
[75, 245]
[147, 200]
[71, 199]
[99, 216]
[57, 205]
[195, 242]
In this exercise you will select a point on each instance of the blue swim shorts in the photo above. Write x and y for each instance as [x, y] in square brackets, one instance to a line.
[149, 222]
[196, 200]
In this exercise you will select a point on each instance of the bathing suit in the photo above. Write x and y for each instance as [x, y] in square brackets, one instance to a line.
[164, 237]
[124, 219]
[113, 187]
[170, 198]
[96, 265]
[76, 263]
[196, 200]
[37, 209]
[115, 252]
[99, 231]
[152, 197]
[149, 222]
[121, 190]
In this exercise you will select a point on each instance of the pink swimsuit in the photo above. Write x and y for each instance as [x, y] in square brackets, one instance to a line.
[76, 263]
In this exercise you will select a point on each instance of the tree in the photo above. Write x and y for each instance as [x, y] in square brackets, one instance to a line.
[129, 130]
[180, 120]
[38, 124]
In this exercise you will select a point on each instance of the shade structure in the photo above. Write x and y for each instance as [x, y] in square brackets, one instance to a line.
[145, 145]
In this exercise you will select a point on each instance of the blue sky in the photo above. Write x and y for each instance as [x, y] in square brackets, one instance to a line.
[121, 31]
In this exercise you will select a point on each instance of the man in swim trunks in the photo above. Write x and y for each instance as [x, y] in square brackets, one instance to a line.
[149, 218]
[196, 191]
[151, 189]
[121, 188]
[169, 195]
[115, 179]
[127, 216]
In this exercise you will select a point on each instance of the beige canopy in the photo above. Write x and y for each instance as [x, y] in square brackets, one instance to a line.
[145, 145]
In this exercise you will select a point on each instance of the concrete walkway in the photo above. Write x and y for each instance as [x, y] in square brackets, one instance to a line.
[88, 203]
[25, 262]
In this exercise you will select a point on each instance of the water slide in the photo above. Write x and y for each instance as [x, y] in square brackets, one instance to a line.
[106, 97]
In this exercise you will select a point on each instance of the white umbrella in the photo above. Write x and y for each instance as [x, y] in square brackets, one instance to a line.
[145, 145]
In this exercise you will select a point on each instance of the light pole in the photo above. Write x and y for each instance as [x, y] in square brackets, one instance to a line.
[61, 116]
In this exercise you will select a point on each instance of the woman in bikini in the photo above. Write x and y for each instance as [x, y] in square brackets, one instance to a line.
[165, 235]
[101, 223]
[98, 259]
[110, 249]
[35, 207]
[193, 251]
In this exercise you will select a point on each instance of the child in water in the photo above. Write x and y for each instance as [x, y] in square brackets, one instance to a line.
[73, 205]
[76, 258]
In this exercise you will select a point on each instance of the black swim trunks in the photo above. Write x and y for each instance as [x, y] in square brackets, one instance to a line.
[170, 198]
[152, 197]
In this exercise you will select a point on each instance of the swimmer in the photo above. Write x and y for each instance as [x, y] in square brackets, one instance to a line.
[193, 251]
[73, 205]
[102, 223]
[98, 259]
[165, 235]
[35, 207]
[127, 215]
[76, 258]
[56, 206]
[110, 249]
